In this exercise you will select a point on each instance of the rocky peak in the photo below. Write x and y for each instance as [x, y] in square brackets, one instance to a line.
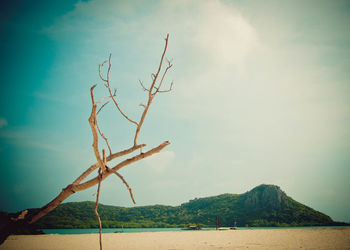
[266, 197]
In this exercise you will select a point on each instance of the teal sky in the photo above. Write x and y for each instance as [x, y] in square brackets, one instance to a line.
[262, 95]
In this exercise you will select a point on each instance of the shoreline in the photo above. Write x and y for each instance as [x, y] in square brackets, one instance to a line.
[320, 238]
[66, 231]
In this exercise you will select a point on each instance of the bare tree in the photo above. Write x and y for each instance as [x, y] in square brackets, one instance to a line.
[102, 164]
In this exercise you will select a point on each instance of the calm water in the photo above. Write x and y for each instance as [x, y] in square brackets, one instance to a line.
[140, 230]
[108, 230]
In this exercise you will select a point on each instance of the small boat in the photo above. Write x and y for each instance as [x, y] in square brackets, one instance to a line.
[120, 231]
[192, 228]
[224, 228]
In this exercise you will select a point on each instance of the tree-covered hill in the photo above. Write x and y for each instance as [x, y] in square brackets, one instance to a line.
[265, 205]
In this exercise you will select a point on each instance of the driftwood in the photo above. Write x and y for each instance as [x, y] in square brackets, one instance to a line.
[24, 220]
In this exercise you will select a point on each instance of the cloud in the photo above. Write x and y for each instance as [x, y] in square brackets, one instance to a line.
[240, 74]
[3, 122]
[212, 43]
[210, 28]
[223, 35]
[160, 161]
[257, 95]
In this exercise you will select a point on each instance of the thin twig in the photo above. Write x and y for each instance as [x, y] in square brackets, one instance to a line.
[96, 206]
[125, 182]
[116, 104]
[113, 95]
[99, 71]
[102, 107]
[161, 81]
[165, 91]
[144, 88]
[109, 67]
[106, 97]
[160, 66]
[150, 96]
[99, 131]
[105, 138]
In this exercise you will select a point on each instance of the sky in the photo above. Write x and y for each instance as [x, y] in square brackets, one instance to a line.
[261, 96]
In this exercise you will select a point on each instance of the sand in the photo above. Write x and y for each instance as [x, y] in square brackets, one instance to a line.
[320, 238]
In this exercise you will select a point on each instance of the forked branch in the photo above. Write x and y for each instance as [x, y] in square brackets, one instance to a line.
[125, 182]
[109, 88]
[103, 170]
[168, 90]
[93, 123]
[99, 131]
[73, 188]
[150, 90]
[109, 158]
[161, 81]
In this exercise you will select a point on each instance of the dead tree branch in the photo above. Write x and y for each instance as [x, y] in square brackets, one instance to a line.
[124, 163]
[168, 90]
[99, 131]
[73, 188]
[110, 91]
[99, 70]
[104, 138]
[99, 110]
[96, 206]
[109, 158]
[104, 171]
[155, 76]
[161, 81]
[93, 122]
[125, 182]
[150, 95]
[21, 216]
[144, 88]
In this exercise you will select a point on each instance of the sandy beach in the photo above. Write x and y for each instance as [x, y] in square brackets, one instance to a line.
[321, 238]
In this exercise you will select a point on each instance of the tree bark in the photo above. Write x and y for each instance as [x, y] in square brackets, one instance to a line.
[72, 188]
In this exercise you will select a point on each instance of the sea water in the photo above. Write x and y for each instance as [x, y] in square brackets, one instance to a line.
[108, 230]
[141, 230]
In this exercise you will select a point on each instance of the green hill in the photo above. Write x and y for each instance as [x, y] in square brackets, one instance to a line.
[265, 205]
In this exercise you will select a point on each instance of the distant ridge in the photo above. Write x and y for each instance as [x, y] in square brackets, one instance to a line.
[264, 205]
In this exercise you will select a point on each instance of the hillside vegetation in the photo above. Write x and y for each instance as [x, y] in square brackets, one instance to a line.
[265, 205]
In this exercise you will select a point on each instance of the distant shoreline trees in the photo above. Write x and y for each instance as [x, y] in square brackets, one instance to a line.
[228, 207]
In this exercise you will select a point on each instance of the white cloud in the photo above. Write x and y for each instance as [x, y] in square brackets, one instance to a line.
[3, 122]
[259, 92]
[161, 160]
[224, 36]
